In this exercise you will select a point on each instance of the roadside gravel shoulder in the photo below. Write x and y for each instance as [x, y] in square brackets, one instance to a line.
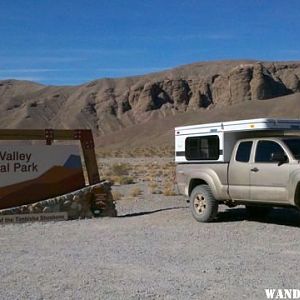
[153, 250]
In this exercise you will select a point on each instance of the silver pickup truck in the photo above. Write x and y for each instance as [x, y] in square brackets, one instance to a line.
[232, 164]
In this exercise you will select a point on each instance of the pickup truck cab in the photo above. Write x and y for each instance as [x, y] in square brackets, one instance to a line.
[251, 162]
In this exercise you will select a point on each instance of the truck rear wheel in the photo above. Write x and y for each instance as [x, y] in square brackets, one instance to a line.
[258, 212]
[203, 204]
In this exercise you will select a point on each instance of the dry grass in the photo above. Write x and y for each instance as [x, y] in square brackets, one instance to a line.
[152, 185]
[154, 188]
[162, 151]
[117, 173]
[155, 191]
[169, 189]
[117, 195]
[126, 180]
[120, 169]
[121, 179]
[158, 176]
[135, 192]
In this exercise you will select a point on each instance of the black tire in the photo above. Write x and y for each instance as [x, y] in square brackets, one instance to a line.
[203, 205]
[258, 212]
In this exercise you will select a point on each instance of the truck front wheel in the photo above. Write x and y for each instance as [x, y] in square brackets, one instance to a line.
[203, 205]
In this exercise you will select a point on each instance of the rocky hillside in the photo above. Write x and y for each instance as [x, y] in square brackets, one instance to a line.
[112, 104]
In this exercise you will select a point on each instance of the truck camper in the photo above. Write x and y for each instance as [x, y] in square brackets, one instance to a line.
[253, 162]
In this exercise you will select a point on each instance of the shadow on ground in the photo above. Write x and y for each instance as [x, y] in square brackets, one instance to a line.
[279, 216]
[149, 212]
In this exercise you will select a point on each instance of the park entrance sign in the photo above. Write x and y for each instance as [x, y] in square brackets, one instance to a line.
[31, 173]
[37, 172]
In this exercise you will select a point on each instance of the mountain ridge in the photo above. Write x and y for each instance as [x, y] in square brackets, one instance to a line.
[112, 104]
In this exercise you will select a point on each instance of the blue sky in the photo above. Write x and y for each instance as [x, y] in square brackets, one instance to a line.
[72, 42]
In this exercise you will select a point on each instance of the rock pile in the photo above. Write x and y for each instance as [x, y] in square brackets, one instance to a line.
[91, 201]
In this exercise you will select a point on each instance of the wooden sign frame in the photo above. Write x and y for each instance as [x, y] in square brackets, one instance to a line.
[85, 136]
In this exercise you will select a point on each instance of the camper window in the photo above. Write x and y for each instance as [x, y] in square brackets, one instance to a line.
[202, 148]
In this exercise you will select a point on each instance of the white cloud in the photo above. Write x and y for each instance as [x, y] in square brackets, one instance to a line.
[19, 58]
[29, 78]
[290, 51]
[132, 70]
[102, 51]
[29, 70]
[200, 36]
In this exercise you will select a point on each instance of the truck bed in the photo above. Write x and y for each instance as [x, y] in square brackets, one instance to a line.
[215, 174]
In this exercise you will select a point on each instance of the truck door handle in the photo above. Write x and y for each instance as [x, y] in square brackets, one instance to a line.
[254, 170]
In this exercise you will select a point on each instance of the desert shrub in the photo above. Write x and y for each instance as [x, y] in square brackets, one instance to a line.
[106, 173]
[154, 188]
[120, 169]
[117, 195]
[152, 185]
[146, 151]
[159, 173]
[147, 178]
[121, 179]
[169, 190]
[155, 191]
[135, 192]
[126, 180]
[112, 179]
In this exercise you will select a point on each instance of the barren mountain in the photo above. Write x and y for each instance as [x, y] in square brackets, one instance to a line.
[151, 105]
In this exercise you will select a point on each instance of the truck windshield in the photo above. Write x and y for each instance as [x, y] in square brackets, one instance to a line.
[294, 146]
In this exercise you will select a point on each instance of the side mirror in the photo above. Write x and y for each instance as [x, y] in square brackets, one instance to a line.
[279, 157]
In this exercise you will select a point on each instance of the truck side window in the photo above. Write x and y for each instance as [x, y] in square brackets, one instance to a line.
[265, 149]
[202, 148]
[243, 152]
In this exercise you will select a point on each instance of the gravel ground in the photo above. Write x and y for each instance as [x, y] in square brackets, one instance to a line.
[153, 250]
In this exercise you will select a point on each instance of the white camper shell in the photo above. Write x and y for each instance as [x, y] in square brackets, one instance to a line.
[214, 142]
